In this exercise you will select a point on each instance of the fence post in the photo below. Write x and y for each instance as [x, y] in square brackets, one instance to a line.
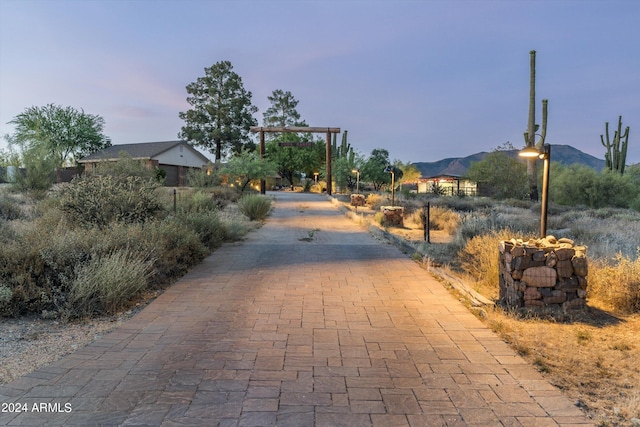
[427, 214]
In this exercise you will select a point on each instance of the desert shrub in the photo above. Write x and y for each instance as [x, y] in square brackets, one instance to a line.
[207, 177]
[9, 209]
[235, 224]
[126, 166]
[579, 185]
[256, 207]
[176, 248]
[106, 283]
[225, 195]
[207, 226]
[5, 294]
[440, 218]
[616, 283]
[39, 173]
[199, 201]
[101, 200]
[374, 201]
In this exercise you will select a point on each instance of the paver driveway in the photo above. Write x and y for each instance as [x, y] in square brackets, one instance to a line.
[310, 321]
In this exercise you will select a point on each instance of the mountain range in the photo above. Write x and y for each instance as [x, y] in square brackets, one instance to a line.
[565, 154]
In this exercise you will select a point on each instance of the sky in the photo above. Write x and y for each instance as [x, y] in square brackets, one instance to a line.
[425, 80]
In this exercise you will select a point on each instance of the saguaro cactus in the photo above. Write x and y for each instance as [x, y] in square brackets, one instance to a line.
[616, 154]
[532, 128]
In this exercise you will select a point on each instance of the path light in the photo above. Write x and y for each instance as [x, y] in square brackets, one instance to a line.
[545, 155]
[357, 172]
[315, 176]
[389, 169]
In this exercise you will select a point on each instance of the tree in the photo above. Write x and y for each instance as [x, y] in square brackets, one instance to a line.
[247, 166]
[290, 160]
[410, 173]
[222, 112]
[373, 168]
[65, 133]
[282, 111]
[502, 175]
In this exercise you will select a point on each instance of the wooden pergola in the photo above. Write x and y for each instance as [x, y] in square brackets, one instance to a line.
[300, 129]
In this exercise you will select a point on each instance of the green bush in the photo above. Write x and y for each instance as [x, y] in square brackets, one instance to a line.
[100, 200]
[207, 226]
[579, 185]
[106, 284]
[255, 206]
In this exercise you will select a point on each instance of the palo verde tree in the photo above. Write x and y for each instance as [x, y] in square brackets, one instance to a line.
[616, 155]
[221, 112]
[65, 133]
[247, 166]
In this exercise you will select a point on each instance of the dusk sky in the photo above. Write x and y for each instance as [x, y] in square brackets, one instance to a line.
[425, 80]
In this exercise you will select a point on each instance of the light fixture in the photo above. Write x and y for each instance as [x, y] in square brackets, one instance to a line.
[357, 172]
[545, 154]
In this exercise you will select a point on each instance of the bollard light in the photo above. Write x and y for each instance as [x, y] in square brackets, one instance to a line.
[389, 169]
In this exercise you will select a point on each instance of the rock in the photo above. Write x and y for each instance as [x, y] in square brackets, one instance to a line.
[565, 253]
[580, 265]
[539, 276]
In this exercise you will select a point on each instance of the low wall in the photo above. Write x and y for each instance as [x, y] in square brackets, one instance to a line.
[542, 273]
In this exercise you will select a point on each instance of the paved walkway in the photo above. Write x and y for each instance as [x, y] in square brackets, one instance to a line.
[310, 321]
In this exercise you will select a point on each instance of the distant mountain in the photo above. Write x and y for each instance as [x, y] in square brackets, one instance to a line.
[565, 154]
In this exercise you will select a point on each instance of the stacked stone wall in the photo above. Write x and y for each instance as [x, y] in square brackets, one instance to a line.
[392, 216]
[543, 273]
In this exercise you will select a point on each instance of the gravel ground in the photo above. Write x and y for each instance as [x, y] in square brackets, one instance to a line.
[29, 343]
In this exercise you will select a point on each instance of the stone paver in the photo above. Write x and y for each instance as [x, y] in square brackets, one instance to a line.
[310, 321]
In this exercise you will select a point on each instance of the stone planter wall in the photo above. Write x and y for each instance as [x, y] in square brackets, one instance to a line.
[392, 216]
[358, 200]
[543, 273]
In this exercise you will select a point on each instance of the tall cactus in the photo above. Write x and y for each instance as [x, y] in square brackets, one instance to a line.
[616, 155]
[532, 128]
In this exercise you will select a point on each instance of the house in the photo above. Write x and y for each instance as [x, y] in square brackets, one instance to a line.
[174, 157]
[448, 185]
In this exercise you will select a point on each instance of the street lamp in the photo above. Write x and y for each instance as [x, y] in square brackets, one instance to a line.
[545, 155]
[315, 176]
[357, 172]
[389, 169]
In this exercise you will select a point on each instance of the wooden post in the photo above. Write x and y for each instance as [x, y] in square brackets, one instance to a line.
[328, 162]
[263, 183]
[427, 218]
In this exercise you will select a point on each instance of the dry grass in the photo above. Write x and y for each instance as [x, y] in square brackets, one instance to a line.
[592, 356]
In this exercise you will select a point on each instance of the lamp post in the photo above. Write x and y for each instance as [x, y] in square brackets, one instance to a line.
[315, 176]
[545, 155]
[389, 169]
[357, 172]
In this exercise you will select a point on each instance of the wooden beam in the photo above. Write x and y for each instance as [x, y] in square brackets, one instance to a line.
[296, 129]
